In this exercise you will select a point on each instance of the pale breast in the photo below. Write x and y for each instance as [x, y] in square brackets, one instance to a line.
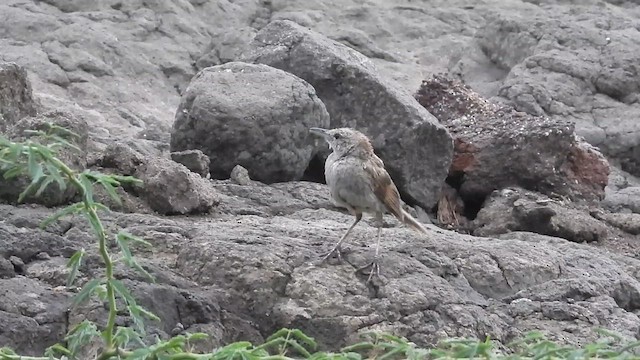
[350, 185]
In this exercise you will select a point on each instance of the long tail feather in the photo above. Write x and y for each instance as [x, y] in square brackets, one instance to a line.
[412, 223]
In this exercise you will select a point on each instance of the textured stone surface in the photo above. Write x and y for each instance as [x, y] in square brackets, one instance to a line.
[515, 209]
[167, 187]
[566, 64]
[497, 146]
[250, 115]
[16, 98]
[124, 65]
[416, 149]
[194, 160]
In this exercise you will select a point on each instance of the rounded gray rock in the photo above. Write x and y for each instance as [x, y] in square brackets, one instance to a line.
[255, 116]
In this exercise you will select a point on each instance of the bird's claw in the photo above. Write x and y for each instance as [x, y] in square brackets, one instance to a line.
[375, 269]
[328, 255]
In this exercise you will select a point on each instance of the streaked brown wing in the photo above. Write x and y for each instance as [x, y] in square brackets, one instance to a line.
[383, 186]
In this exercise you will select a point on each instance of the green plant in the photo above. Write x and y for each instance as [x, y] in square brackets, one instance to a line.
[38, 160]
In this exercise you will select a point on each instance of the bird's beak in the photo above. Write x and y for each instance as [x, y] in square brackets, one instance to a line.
[320, 132]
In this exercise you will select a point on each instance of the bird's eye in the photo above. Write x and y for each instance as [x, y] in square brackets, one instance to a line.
[336, 136]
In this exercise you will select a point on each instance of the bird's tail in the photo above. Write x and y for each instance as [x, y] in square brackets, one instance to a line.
[412, 223]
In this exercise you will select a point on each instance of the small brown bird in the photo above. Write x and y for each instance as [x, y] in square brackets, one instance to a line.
[359, 182]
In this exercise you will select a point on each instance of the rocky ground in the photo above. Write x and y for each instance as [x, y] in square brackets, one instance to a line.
[528, 172]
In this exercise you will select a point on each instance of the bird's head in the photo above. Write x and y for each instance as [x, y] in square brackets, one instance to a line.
[344, 140]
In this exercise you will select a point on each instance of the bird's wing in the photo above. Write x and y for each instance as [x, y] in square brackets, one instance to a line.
[383, 187]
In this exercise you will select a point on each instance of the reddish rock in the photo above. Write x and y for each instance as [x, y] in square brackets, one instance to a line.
[496, 146]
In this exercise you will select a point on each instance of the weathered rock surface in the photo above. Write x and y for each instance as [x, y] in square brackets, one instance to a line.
[627, 199]
[194, 160]
[514, 209]
[497, 147]
[16, 98]
[123, 66]
[34, 315]
[416, 149]
[250, 115]
[567, 64]
[167, 187]
[257, 267]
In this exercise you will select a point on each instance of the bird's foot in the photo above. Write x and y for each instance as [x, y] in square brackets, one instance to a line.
[375, 269]
[335, 250]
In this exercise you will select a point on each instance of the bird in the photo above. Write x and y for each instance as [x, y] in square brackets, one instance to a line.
[358, 181]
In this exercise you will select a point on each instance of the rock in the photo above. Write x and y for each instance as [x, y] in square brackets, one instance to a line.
[415, 148]
[629, 223]
[16, 99]
[76, 159]
[627, 199]
[498, 147]
[469, 278]
[167, 187]
[17, 263]
[34, 315]
[253, 115]
[240, 175]
[170, 188]
[226, 46]
[6, 268]
[516, 209]
[53, 271]
[256, 253]
[24, 244]
[121, 157]
[194, 160]
[566, 65]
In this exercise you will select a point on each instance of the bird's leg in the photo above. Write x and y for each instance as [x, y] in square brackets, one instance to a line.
[336, 248]
[375, 267]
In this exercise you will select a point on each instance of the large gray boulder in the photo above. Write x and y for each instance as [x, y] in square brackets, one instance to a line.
[251, 115]
[416, 149]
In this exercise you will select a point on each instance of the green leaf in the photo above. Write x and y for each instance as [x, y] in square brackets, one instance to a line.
[43, 185]
[299, 348]
[87, 290]
[96, 225]
[102, 207]
[74, 263]
[361, 346]
[55, 173]
[111, 191]
[81, 335]
[13, 171]
[122, 290]
[7, 351]
[139, 354]
[55, 349]
[127, 237]
[125, 336]
[30, 189]
[35, 169]
[71, 209]
[137, 312]
[123, 239]
[87, 186]
[197, 336]
[127, 179]
[309, 341]
[101, 292]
